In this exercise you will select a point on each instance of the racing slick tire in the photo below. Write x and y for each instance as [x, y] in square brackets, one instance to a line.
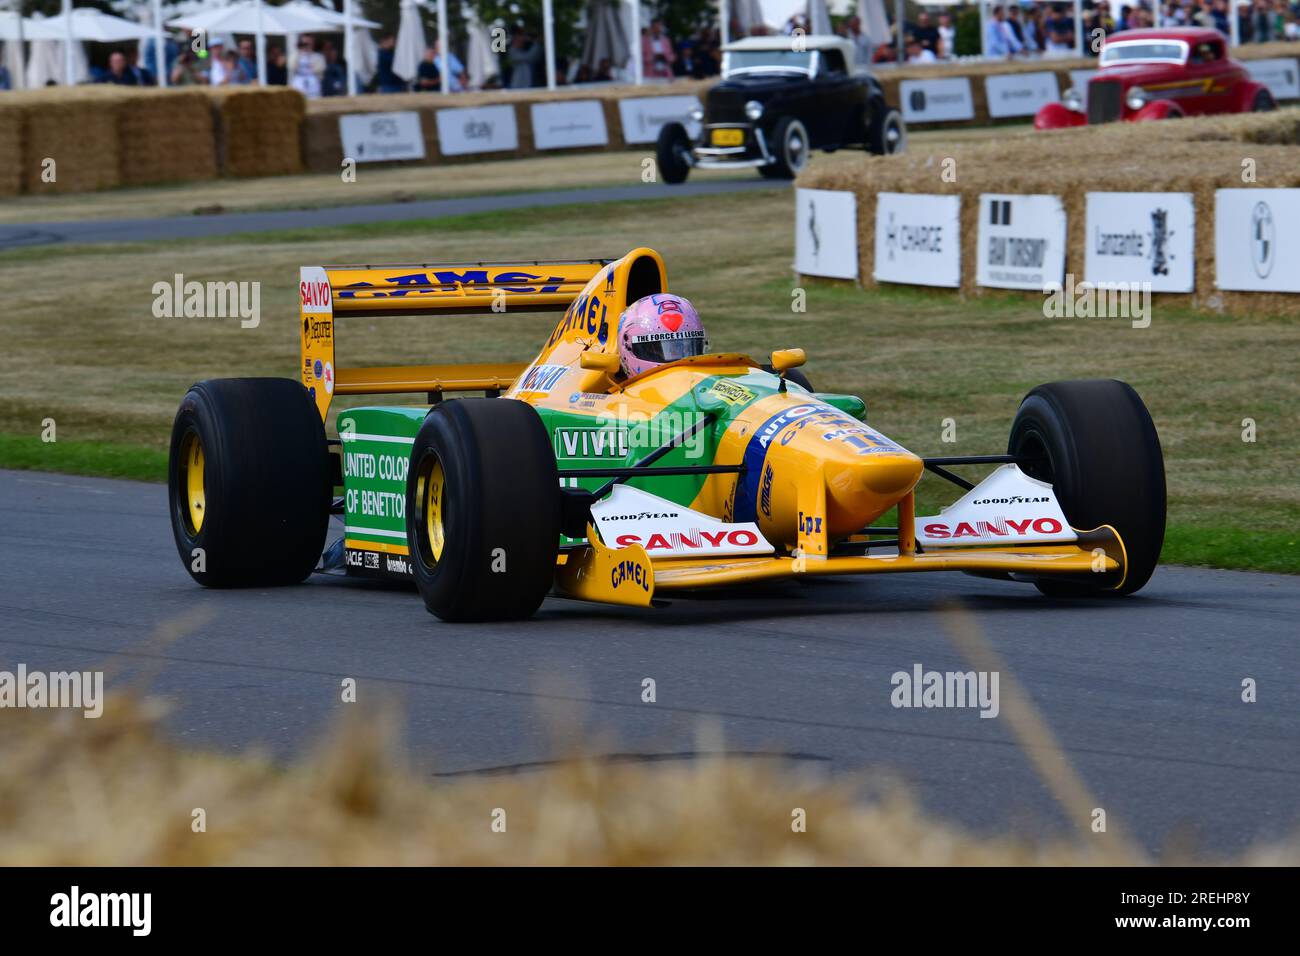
[1263, 102]
[1098, 447]
[483, 510]
[791, 146]
[671, 150]
[795, 375]
[248, 482]
[887, 133]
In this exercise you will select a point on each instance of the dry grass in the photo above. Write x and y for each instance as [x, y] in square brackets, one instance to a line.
[114, 791]
[1197, 156]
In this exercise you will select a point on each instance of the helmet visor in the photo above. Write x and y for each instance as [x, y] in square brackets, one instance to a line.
[668, 346]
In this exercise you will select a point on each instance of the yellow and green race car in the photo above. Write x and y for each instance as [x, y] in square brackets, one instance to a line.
[568, 477]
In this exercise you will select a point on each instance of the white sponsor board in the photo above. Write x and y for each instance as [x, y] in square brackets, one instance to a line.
[936, 101]
[568, 123]
[477, 129]
[381, 137]
[1281, 76]
[1141, 237]
[1079, 80]
[643, 116]
[1020, 94]
[1021, 241]
[666, 530]
[826, 233]
[918, 239]
[1257, 239]
[1007, 507]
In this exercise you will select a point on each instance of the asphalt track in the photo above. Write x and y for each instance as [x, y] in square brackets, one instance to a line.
[172, 228]
[1143, 694]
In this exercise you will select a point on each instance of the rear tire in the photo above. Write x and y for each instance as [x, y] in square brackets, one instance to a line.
[1263, 102]
[671, 150]
[248, 482]
[1102, 456]
[483, 510]
[887, 133]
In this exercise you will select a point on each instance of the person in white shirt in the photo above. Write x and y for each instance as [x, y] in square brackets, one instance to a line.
[216, 64]
[917, 53]
[947, 37]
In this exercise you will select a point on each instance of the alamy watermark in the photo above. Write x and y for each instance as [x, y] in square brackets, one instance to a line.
[75, 690]
[948, 689]
[180, 299]
[1087, 300]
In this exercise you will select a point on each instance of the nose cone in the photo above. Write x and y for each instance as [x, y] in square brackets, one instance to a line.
[860, 491]
[892, 476]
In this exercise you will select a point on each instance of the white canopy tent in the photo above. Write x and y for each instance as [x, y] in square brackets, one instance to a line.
[819, 18]
[480, 62]
[47, 63]
[358, 45]
[259, 19]
[13, 31]
[607, 37]
[410, 42]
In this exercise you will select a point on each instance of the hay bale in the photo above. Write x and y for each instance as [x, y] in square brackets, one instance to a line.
[258, 131]
[76, 128]
[322, 150]
[11, 148]
[166, 136]
[1196, 156]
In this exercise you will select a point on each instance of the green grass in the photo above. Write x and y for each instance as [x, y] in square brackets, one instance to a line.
[111, 374]
[103, 459]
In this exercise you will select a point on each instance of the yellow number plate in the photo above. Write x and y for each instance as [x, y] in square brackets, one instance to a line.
[728, 137]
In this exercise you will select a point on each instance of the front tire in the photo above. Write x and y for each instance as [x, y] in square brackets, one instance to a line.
[671, 152]
[248, 482]
[792, 146]
[1263, 102]
[483, 510]
[1100, 451]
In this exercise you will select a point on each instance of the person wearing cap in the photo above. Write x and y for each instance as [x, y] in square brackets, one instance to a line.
[217, 69]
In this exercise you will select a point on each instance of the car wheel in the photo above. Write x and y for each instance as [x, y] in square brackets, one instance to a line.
[1094, 441]
[795, 375]
[483, 510]
[887, 133]
[792, 147]
[248, 482]
[1263, 102]
[671, 152]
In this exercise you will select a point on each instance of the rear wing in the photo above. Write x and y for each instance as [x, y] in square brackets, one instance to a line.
[329, 293]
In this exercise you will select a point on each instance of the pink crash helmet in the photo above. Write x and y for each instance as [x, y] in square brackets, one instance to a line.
[656, 329]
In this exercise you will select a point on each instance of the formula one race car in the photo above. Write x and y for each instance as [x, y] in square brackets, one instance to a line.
[780, 98]
[1160, 74]
[567, 476]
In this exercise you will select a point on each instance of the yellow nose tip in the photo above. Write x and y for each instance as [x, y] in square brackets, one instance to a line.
[891, 476]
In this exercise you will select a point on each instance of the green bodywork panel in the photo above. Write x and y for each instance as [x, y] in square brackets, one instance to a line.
[376, 447]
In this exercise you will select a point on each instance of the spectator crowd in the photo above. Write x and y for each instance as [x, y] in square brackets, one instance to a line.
[316, 66]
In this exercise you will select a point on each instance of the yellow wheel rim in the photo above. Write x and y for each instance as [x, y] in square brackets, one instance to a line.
[195, 499]
[434, 493]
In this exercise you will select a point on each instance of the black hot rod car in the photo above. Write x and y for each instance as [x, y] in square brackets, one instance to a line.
[780, 98]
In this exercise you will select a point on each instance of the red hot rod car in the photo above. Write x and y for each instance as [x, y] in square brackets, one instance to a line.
[1160, 74]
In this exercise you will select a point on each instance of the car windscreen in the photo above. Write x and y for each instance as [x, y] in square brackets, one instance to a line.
[1155, 51]
[769, 60]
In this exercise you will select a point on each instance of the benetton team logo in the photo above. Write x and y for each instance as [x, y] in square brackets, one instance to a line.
[1263, 243]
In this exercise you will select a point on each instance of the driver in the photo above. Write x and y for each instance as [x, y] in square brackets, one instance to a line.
[656, 329]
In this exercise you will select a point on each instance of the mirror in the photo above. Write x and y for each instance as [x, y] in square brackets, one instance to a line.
[599, 362]
[785, 359]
